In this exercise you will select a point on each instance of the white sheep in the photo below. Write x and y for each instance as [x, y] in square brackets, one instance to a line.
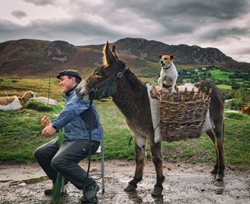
[14, 102]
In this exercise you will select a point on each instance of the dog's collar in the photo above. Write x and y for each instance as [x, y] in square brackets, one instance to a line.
[165, 68]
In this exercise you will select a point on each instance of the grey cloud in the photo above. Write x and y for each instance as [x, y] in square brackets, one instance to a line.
[172, 17]
[57, 30]
[41, 2]
[9, 30]
[221, 33]
[19, 14]
[223, 9]
[185, 16]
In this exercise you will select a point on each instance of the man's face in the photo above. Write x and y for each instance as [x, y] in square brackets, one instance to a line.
[67, 83]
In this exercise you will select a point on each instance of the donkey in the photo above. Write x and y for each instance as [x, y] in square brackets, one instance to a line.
[114, 79]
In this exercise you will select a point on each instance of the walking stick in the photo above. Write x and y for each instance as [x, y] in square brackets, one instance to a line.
[59, 184]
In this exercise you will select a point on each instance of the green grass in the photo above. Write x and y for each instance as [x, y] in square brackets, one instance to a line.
[116, 132]
[220, 75]
[17, 86]
[224, 86]
[20, 136]
[38, 106]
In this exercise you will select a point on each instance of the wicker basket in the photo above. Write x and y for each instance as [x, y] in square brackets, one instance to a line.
[182, 114]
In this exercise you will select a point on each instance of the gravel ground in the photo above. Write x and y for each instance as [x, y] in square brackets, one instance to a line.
[184, 183]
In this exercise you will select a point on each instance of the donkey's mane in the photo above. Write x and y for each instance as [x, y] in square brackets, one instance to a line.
[136, 84]
[134, 81]
[132, 95]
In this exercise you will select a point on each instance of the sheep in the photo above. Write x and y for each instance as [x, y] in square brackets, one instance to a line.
[14, 102]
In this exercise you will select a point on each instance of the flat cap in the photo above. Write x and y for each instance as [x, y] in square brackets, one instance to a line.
[69, 72]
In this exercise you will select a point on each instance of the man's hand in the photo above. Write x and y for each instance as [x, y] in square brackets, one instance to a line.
[48, 131]
[46, 120]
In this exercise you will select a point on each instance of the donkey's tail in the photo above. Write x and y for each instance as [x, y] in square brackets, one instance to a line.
[216, 94]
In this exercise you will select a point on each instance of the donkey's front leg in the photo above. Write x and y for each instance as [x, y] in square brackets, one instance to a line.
[157, 159]
[139, 158]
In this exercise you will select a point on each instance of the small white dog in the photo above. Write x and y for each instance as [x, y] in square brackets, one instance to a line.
[168, 72]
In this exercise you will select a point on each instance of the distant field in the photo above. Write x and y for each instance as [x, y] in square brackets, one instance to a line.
[220, 75]
[224, 86]
[17, 86]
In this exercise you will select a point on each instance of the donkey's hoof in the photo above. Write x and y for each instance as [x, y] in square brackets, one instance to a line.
[219, 177]
[157, 192]
[213, 172]
[219, 183]
[130, 188]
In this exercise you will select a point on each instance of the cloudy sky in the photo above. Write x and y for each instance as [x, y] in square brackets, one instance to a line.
[224, 24]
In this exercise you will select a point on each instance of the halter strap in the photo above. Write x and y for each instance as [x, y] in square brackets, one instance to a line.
[121, 73]
[110, 82]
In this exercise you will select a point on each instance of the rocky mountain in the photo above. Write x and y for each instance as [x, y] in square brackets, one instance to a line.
[184, 54]
[28, 57]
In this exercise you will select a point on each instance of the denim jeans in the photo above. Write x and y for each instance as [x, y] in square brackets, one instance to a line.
[53, 158]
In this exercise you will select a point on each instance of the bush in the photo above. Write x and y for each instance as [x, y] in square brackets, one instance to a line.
[38, 106]
[243, 95]
[236, 104]
[228, 94]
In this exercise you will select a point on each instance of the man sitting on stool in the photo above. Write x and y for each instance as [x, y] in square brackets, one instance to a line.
[76, 120]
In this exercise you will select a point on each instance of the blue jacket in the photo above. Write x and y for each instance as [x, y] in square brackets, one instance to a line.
[75, 119]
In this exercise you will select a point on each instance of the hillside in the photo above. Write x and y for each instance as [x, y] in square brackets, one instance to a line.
[35, 57]
[184, 54]
[29, 57]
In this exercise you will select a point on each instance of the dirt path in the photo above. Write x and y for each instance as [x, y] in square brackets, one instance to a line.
[185, 183]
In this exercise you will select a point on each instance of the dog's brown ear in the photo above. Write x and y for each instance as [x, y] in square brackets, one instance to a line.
[171, 57]
[160, 56]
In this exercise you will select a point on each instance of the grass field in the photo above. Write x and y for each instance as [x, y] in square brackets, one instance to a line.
[20, 132]
[17, 86]
[220, 75]
[224, 86]
[20, 136]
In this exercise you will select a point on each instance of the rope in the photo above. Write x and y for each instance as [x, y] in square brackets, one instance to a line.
[90, 138]
[59, 183]
[48, 92]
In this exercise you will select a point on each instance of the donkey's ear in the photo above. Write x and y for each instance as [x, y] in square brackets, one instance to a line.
[114, 51]
[108, 56]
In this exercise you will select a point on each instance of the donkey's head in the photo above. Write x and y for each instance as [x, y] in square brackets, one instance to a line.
[102, 81]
